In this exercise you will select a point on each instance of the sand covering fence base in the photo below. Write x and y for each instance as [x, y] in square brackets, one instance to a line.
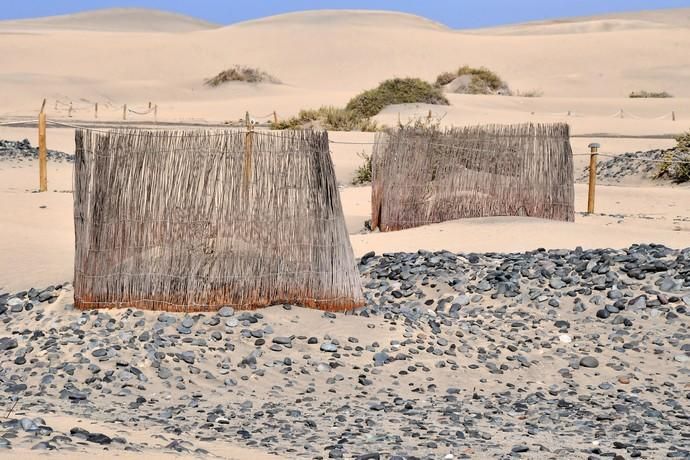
[424, 175]
[197, 220]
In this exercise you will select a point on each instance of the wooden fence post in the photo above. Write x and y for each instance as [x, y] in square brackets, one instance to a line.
[95, 110]
[673, 116]
[42, 151]
[275, 118]
[124, 112]
[69, 111]
[247, 166]
[594, 150]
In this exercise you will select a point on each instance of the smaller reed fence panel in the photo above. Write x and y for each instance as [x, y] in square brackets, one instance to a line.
[425, 175]
[198, 220]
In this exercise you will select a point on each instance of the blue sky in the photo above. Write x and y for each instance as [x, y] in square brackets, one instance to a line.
[455, 13]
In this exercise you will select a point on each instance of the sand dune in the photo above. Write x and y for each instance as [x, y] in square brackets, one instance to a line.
[669, 16]
[112, 20]
[322, 58]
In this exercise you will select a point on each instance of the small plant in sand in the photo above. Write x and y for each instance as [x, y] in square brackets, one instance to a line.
[530, 93]
[395, 91]
[470, 80]
[649, 94]
[676, 165]
[333, 118]
[363, 173]
[241, 73]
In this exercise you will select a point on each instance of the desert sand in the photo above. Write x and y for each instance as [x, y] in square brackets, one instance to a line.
[585, 68]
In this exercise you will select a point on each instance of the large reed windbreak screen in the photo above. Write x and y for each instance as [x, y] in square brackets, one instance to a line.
[196, 220]
[423, 176]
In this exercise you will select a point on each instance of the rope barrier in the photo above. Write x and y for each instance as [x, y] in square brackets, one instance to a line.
[141, 113]
[10, 123]
[263, 133]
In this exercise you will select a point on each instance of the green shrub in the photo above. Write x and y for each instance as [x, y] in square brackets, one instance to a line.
[363, 173]
[241, 73]
[445, 78]
[683, 141]
[332, 118]
[482, 78]
[646, 94]
[677, 163]
[395, 91]
[481, 81]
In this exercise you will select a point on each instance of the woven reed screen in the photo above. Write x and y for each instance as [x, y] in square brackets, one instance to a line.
[423, 175]
[197, 220]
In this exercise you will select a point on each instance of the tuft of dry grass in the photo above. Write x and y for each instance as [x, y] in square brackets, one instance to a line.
[327, 117]
[241, 73]
[649, 94]
[363, 172]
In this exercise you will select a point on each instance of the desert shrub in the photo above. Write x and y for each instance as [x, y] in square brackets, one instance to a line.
[445, 78]
[677, 162]
[363, 173]
[481, 80]
[241, 73]
[395, 91]
[647, 94]
[530, 93]
[333, 118]
[683, 141]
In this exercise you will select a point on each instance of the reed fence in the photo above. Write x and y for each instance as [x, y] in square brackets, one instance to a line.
[425, 175]
[198, 220]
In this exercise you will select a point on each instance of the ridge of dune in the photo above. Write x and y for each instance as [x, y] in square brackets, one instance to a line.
[632, 20]
[678, 17]
[113, 20]
[345, 17]
[575, 27]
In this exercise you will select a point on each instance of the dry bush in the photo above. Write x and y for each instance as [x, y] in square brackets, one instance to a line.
[333, 118]
[481, 81]
[241, 73]
[530, 93]
[677, 165]
[649, 94]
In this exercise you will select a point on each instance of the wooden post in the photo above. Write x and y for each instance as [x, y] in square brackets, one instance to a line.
[594, 150]
[155, 113]
[69, 111]
[275, 118]
[247, 166]
[95, 110]
[42, 151]
[149, 105]
[568, 112]
[124, 112]
[673, 116]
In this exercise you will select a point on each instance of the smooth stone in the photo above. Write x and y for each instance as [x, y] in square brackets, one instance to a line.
[589, 361]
